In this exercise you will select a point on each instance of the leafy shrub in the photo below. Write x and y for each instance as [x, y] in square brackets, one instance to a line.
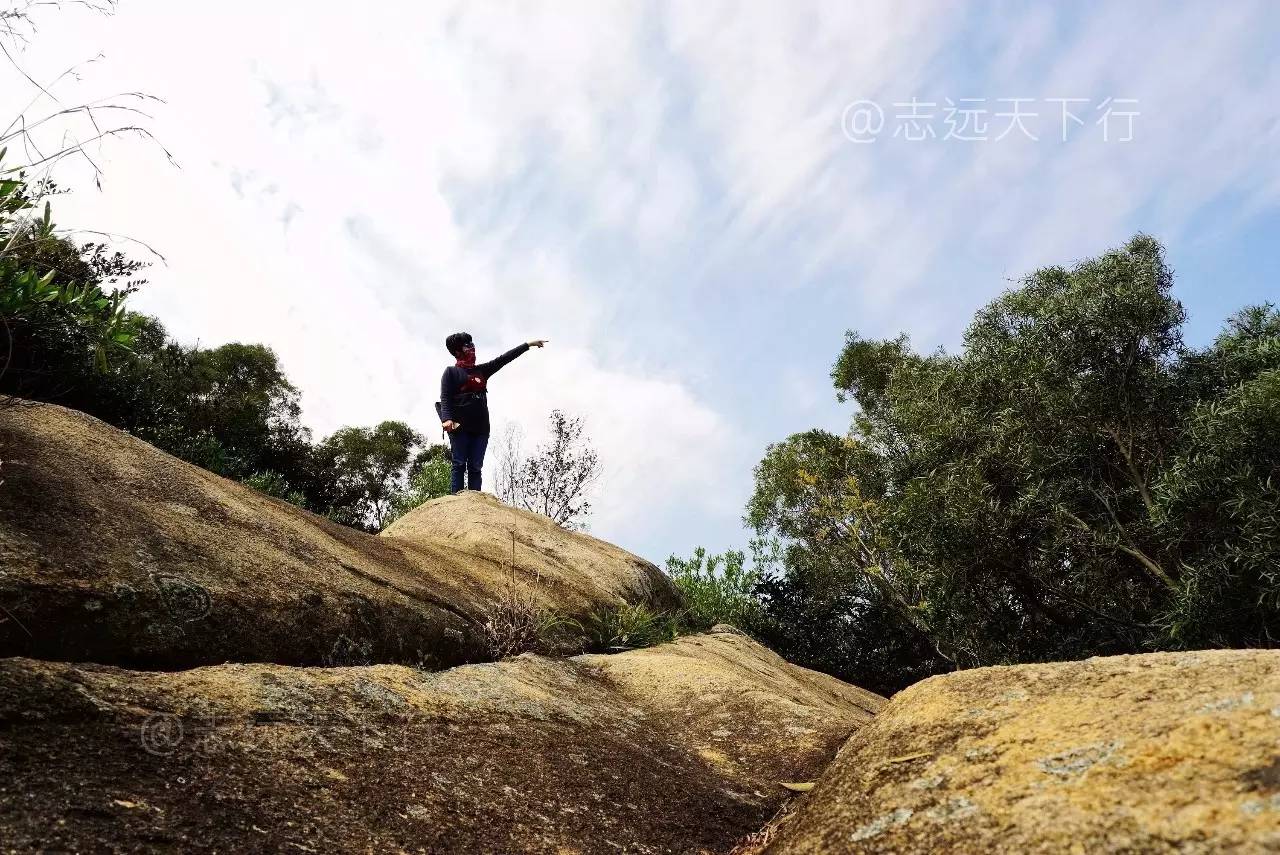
[716, 589]
[58, 322]
[274, 484]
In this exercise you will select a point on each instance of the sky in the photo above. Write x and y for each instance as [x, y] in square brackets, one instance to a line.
[692, 201]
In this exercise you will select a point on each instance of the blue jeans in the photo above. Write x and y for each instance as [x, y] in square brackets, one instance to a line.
[468, 458]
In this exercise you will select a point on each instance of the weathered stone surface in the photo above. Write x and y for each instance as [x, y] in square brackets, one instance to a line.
[709, 688]
[534, 755]
[112, 551]
[1172, 752]
[569, 571]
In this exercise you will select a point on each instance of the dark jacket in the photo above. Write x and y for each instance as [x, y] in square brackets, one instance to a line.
[464, 392]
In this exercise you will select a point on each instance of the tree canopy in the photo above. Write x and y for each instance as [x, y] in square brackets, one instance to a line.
[1076, 481]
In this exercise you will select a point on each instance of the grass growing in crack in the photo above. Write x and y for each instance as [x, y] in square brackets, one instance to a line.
[627, 627]
[520, 623]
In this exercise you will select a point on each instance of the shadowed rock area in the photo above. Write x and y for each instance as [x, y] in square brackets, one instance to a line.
[112, 551]
[1169, 752]
[532, 754]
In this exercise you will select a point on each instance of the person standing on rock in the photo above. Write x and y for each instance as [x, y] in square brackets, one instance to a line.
[464, 405]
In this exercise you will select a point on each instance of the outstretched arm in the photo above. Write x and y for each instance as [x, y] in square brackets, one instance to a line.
[492, 366]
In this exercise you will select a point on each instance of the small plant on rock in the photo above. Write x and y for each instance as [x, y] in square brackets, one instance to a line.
[519, 622]
[627, 627]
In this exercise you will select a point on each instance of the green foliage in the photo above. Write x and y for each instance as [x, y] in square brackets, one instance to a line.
[365, 471]
[1076, 482]
[230, 409]
[841, 604]
[1218, 498]
[429, 478]
[58, 322]
[716, 589]
[627, 627]
[274, 484]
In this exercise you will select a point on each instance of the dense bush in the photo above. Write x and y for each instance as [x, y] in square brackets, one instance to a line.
[62, 307]
[1076, 481]
[716, 589]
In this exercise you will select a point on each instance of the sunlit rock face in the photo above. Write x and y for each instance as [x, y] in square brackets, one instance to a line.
[1155, 753]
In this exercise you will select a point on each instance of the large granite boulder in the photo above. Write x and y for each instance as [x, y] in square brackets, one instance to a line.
[112, 551]
[1168, 752]
[530, 755]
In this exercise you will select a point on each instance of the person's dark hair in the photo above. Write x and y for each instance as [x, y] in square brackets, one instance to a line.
[457, 341]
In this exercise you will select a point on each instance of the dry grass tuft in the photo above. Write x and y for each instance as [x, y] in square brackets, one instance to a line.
[520, 623]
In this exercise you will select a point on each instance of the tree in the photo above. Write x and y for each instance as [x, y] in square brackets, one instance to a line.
[62, 312]
[1034, 496]
[1218, 497]
[429, 478]
[843, 602]
[364, 470]
[555, 479]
